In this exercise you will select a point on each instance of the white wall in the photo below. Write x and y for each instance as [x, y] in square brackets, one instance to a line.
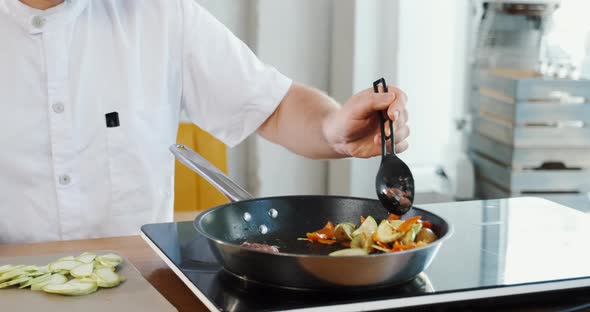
[295, 37]
[431, 68]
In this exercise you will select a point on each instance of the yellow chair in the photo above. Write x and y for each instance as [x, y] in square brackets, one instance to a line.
[194, 194]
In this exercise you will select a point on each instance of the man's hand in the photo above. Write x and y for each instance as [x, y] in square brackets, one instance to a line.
[313, 125]
[354, 130]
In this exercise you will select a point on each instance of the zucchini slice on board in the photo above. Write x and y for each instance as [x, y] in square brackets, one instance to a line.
[55, 279]
[107, 278]
[83, 270]
[86, 257]
[61, 265]
[15, 281]
[39, 279]
[72, 288]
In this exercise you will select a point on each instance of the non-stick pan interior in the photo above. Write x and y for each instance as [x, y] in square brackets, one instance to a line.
[279, 221]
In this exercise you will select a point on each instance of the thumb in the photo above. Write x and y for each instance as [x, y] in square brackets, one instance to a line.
[381, 101]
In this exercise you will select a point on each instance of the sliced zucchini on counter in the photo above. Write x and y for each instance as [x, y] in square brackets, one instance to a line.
[83, 270]
[17, 280]
[55, 279]
[87, 273]
[72, 288]
[36, 280]
[61, 265]
[107, 278]
[86, 257]
[110, 260]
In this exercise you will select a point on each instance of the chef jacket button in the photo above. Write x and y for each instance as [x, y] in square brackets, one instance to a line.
[38, 22]
[65, 179]
[58, 107]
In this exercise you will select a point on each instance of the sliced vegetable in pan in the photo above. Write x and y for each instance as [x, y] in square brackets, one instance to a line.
[391, 235]
[86, 273]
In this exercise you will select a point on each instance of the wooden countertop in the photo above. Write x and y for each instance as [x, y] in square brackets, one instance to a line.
[155, 271]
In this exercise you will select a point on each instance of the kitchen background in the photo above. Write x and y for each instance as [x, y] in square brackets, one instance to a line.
[433, 50]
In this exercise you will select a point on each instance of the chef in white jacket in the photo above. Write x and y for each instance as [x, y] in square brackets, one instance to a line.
[91, 92]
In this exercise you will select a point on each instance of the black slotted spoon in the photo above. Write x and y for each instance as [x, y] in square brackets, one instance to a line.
[394, 182]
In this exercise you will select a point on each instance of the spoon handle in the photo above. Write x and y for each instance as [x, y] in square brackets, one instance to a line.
[383, 120]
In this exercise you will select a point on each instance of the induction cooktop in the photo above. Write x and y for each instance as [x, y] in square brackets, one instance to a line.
[500, 249]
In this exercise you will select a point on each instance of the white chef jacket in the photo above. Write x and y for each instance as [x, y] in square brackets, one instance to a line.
[63, 173]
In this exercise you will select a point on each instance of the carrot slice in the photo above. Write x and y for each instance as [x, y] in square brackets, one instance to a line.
[408, 223]
[362, 219]
[326, 241]
[393, 217]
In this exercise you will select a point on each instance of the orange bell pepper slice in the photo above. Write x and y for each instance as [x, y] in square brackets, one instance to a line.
[314, 237]
[427, 224]
[408, 223]
[326, 233]
[393, 217]
[326, 241]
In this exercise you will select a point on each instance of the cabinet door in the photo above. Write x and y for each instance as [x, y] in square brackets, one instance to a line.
[193, 193]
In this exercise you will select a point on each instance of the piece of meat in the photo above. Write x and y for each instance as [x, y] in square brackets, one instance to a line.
[261, 247]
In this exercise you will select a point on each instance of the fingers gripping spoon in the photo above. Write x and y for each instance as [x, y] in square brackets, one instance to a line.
[394, 182]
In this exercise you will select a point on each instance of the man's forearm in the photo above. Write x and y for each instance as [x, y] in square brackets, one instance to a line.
[297, 123]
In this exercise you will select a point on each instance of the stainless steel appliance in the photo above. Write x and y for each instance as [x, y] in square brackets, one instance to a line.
[527, 251]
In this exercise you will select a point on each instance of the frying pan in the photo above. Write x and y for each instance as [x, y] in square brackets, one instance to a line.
[279, 221]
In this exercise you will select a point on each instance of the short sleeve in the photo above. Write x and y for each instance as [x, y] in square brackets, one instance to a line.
[227, 90]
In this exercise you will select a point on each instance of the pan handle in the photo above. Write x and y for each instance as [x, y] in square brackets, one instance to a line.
[205, 169]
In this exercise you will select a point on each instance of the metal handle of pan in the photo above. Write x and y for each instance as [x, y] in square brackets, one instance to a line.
[212, 174]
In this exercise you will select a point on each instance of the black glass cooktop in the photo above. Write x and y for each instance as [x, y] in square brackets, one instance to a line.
[500, 249]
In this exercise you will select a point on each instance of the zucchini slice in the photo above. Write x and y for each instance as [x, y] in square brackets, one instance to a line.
[6, 268]
[386, 233]
[107, 278]
[17, 280]
[55, 279]
[411, 234]
[368, 227]
[343, 232]
[10, 275]
[362, 241]
[83, 270]
[72, 288]
[9, 268]
[86, 257]
[348, 252]
[39, 279]
[111, 260]
[60, 265]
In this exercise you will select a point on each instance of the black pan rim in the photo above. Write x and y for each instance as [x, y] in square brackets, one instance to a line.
[198, 227]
